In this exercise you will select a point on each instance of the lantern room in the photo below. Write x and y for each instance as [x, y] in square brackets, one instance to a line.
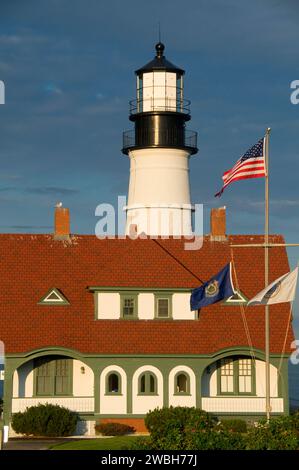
[159, 86]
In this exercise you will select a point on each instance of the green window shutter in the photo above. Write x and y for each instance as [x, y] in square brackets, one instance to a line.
[43, 371]
[62, 377]
[53, 377]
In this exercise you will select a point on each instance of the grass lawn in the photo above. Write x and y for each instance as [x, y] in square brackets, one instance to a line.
[111, 443]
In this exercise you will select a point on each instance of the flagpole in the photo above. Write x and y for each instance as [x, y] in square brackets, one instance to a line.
[267, 322]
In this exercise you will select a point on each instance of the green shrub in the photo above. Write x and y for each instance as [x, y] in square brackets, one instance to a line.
[214, 439]
[114, 429]
[200, 440]
[45, 420]
[279, 434]
[182, 428]
[234, 425]
[295, 420]
[169, 427]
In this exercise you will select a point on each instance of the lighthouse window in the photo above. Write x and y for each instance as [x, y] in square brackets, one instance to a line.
[179, 93]
[139, 94]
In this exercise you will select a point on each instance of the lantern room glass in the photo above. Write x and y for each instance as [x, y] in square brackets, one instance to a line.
[159, 91]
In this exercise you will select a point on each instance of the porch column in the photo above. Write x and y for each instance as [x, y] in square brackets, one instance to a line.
[165, 373]
[130, 373]
[198, 377]
[97, 376]
[283, 383]
[10, 366]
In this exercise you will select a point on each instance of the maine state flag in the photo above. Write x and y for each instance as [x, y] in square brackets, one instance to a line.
[219, 287]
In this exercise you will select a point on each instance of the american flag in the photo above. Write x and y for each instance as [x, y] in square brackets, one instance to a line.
[250, 165]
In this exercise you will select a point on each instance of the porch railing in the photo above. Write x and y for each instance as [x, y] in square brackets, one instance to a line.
[79, 404]
[240, 404]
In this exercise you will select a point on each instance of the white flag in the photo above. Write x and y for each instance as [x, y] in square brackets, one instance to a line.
[281, 290]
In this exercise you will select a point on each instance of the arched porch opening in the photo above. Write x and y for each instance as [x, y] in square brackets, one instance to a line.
[234, 383]
[56, 377]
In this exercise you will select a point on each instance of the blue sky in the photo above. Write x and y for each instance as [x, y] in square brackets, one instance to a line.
[69, 68]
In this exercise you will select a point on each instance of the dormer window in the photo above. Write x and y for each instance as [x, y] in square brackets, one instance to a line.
[54, 297]
[129, 306]
[163, 306]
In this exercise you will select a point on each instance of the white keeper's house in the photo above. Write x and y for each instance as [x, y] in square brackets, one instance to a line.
[104, 327]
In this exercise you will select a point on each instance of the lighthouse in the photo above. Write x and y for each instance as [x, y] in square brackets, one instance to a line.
[159, 148]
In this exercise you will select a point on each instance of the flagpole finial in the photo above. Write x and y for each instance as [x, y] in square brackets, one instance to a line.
[268, 130]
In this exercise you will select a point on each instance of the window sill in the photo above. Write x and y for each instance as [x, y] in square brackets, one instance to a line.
[163, 319]
[147, 394]
[53, 396]
[182, 394]
[113, 394]
[128, 318]
[236, 395]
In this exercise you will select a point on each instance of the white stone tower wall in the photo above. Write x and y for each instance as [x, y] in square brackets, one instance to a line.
[159, 192]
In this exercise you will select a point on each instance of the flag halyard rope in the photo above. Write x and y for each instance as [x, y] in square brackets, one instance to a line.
[243, 315]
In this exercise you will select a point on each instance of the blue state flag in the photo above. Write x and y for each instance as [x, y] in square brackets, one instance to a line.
[219, 287]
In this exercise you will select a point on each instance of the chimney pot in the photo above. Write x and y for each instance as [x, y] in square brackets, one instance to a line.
[133, 231]
[62, 223]
[218, 224]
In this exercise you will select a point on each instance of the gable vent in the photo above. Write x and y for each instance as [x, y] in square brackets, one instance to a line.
[54, 297]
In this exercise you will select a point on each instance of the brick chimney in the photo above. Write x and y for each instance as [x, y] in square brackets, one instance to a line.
[218, 224]
[62, 223]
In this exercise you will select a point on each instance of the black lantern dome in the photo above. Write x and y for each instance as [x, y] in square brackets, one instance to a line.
[160, 63]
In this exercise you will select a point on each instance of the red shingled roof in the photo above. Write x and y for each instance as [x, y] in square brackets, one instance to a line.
[31, 264]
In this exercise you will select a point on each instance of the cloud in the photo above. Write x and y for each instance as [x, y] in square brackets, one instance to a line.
[277, 203]
[24, 37]
[52, 191]
[12, 39]
[53, 89]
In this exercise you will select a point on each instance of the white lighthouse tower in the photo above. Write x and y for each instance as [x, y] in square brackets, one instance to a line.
[159, 149]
